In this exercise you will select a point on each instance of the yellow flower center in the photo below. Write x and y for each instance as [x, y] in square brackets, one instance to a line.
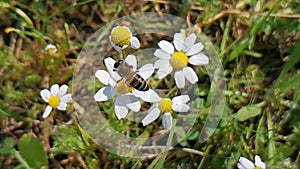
[50, 52]
[123, 88]
[54, 101]
[257, 168]
[179, 60]
[120, 36]
[165, 105]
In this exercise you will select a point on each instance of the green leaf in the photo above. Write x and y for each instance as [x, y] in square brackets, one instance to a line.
[249, 111]
[32, 151]
[7, 146]
[193, 134]
[239, 49]
[180, 134]
[293, 60]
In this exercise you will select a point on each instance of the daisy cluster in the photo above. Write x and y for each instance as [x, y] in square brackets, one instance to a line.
[129, 84]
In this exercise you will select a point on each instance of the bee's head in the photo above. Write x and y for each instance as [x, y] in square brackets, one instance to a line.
[117, 64]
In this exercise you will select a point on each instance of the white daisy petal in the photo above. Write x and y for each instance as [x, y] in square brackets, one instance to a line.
[151, 116]
[134, 42]
[105, 93]
[62, 90]
[164, 68]
[166, 46]
[47, 111]
[179, 79]
[45, 94]
[196, 48]
[134, 104]
[244, 163]
[162, 54]
[146, 71]
[258, 162]
[62, 106]
[181, 99]
[178, 41]
[167, 121]
[54, 89]
[147, 96]
[190, 75]
[121, 110]
[109, 63]
[52, 47]
[180, 107]
[131, 60]
[103, 76]
[117, 48]
[66, 98]
[189, 41]
[199, 59]
[240, 166]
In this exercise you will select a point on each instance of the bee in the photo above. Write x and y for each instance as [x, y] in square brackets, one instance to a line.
[131, 77]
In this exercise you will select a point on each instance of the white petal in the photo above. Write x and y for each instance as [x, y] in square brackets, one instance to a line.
[151, 116]
[45, 94]
[52, 47]
[178, 41]
[62, 106]
[131, 60]
[146, 71]
[199, 59]
[179, 79]
[54, 89]
[180, 107]
[244, 163]
[105, 93]
[47, 111]
[116, 47]
[62, 90]
[103, 76]
[147, 96]
[258, 162]
[162, 54]
[164, 68]
[109, 63]
[166, 46]
[181, 99]
[134, 42]
[167, 121]
[66, 98]
[121, 110]
[190, 75]
[196, 48]
[240, 166]
[189, 41]
[134, 103]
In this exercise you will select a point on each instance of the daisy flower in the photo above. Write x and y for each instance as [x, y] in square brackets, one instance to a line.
[127, 96]
[244, 163]
[50, 49]
[187, 51]
[167, 106]
[56, 97]
[121, 37]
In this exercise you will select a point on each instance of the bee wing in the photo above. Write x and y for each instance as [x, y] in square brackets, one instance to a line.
[146, 71]
[131, 60]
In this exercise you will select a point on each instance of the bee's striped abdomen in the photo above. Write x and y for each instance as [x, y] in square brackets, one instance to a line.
[136, 81]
